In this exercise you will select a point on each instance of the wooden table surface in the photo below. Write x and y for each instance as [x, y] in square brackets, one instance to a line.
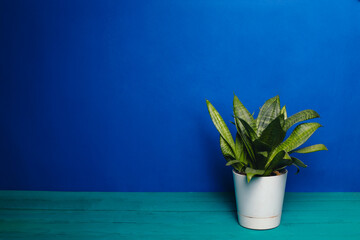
[95, 215]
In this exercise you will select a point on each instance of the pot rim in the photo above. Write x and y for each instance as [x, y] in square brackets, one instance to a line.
[257, 176]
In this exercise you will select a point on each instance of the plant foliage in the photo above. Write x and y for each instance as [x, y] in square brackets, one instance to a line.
[259, 147]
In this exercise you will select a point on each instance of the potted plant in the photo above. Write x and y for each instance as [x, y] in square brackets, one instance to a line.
[259, 156]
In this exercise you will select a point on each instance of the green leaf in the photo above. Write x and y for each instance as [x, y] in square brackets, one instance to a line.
[261, 159]
[283, 111]
[220, 125]
[282, 164]
[298, 162]
[310, 149]
[246, 142]
[226, 150]
[298, 169]
[299, 117]
[287, 156]
[250, 132]
[240, 153]
[278, 162]
[300, 135]
[264, 154]
[268, 112]
[232, 162]
[241, 112]
[274, 134]
[260, 146]
[250, 173]
[228, 154]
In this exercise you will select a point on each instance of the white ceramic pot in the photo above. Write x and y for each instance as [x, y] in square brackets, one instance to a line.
[259, 203]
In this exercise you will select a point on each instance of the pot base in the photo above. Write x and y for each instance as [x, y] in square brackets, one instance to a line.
[259, 223]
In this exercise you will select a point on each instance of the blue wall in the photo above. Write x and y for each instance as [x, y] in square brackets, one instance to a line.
[110, 95]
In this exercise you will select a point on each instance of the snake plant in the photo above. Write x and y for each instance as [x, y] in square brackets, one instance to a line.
[259, 147]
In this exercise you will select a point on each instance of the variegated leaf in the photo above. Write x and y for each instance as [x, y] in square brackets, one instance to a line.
[226, 150]
[247, 143]
[300, 135]
[274, 134]
[250, 132]
[299, 117]
[283, 111]
[310, 149]
[240, 151]
[267, 114]
[220, 125]
[241, 112]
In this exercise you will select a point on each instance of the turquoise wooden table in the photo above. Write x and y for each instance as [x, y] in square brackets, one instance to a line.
[83, 215]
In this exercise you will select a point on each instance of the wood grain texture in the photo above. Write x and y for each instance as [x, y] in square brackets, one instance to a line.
[82, 215]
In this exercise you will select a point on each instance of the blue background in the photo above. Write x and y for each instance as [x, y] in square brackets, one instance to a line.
[110, 95]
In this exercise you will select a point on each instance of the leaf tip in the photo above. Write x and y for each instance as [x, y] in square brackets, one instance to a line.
[209, 105]
[235, 98]
[317, 115]
[248, 178]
